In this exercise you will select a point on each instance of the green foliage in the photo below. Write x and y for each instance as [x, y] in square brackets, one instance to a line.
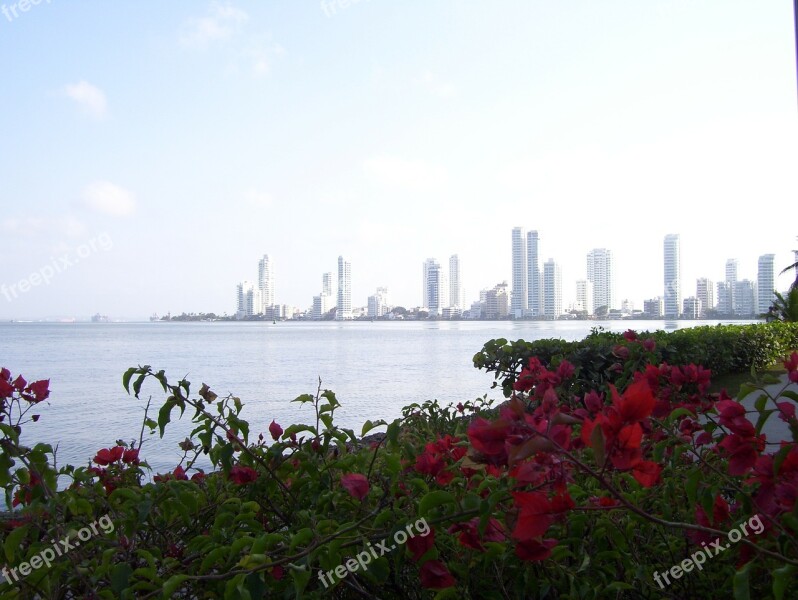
[723, 349]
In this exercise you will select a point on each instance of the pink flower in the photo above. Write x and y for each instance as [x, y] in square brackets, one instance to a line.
[357, 485]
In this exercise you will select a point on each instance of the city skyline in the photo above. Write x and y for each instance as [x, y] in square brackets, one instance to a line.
[220, 131]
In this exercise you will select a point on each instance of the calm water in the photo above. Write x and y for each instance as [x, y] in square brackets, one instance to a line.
[374, 368]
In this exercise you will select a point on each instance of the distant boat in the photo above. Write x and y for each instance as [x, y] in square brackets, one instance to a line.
[98, 318]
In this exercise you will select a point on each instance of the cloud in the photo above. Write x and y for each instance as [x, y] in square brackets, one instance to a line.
[89, 97]
[398, 172]
[110, 199]
[220, 24]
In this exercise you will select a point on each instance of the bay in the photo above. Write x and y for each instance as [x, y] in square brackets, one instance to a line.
[375, 369]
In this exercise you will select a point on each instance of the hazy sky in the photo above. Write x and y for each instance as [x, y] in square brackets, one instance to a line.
[151, 152]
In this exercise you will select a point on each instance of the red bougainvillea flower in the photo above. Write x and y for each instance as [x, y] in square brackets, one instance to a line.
[419, 545]
[488, 437]
[356, 484]
[435, 575]
[636, 403]
[469, 533]
[19, 383]
[103, 457]
[649, 344]
[534, 550]
[275, 430]
[732, 416]
[621, 352]
[37, 391]
[277, 572]
[198, 477]
[180, 474]
[646, 472]
[791, 364]
[742, 451]
[630, 335]
[6, 389]
[117, 452]
[131, 456]
[538, 513]
[240, 475]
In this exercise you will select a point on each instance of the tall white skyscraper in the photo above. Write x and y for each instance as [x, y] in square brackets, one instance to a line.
[601, 273]
[765, 282]
[455, 283]
[705, 291]
[326, 283]
[552, 289]
[266, 283]
[436, 286]
[731, 280]
[343, 310]
[519, 295]
[584, 296]
[378, 303]
[672, 280]
[425, 282]
[534, 284]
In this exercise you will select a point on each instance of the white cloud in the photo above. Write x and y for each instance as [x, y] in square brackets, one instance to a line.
[105, 197]
[221, 23]
[394, 171]
[89, 97]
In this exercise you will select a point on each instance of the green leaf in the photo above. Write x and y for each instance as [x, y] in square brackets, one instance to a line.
[126, 378]
[301, 578]
[760, 403]
[301, 538]
[120, 576]
[172, 584]
[434, 499]
[742, 590]
[781, 577]
[13, 541]
[746, 389]
[378, 570]
[165, 414]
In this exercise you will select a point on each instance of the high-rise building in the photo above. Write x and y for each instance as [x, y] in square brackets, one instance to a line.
[378, 303]
[653, 307]
[248, 300]
[496, 302]
[343, 311]
[436, 286]
[584, 296]
[705, 291]
[266, 283]
[534, 286]
[326, 284]
[425, 282]
[601, 273]
[518, 298]
[455, 283]
[725, 295]
[731, 280]
[552, 290]
[691, 308]
[673, 269]
[765, 283]
[745, 303]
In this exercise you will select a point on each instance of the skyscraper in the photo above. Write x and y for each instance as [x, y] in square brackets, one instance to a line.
[765, 282]
[731, 281]
[378, 303]
[672, 280]
[518, 297]
[455, 284]
[584, 296]
[601, 273]
[266, 283]
[343, 310]
[534, 287]
[326, 283]
[705, 291]
[552, 289]
[425, 282]
[436, 286]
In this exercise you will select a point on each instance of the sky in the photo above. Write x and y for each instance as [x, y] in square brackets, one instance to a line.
[151, 153]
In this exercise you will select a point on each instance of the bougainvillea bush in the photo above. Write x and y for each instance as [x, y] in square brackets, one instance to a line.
[556, 493]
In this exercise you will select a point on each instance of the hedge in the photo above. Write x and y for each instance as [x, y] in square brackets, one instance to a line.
[723, 349]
